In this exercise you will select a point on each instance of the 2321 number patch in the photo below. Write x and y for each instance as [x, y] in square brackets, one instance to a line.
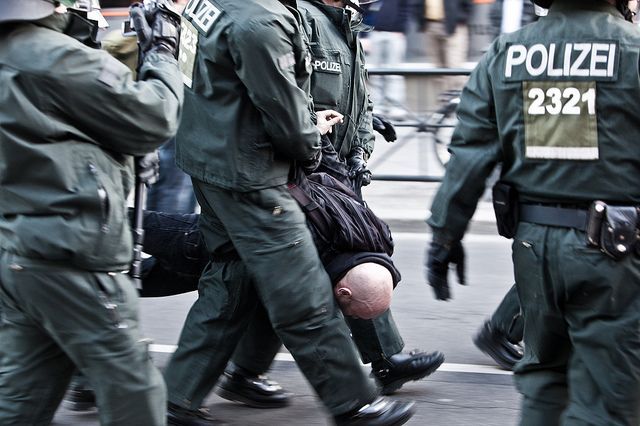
[187, 52]
[560, 120]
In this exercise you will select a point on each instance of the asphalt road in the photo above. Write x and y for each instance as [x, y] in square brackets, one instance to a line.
[467, 390]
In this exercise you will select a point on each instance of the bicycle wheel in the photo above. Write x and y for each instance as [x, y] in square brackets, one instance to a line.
[443, 121]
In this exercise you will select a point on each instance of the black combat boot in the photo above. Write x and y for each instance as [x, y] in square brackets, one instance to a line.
[393, 372]
[180, 416]
[253, 390]
[381, 412]
[495, 344]
[79, 396]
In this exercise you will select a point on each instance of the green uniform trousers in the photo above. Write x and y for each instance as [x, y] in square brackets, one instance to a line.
[52, 319]
[581, 364]
[281, 270]
[507, 317]
[375, 339]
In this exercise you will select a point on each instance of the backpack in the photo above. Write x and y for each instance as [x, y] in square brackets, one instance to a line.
[339, 221]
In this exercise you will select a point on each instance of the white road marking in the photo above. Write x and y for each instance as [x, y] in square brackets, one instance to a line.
[471, 238]
[446, 367]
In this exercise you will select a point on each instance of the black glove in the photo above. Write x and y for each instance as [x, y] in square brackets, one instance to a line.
[310, 165]
[157, 27]
[357, 166]
[148, 168]
[438, 258]
[384, 127]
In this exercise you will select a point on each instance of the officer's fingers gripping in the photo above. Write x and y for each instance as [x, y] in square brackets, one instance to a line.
[335, 120]
[323, 127]
[148, 168]
[331, 115]
[140, 24]
[366, 177]
[326, 120]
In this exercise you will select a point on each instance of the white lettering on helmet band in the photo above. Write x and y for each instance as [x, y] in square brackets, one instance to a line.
[596, 60]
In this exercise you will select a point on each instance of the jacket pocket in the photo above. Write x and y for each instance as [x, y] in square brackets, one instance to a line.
[103, 198]
[112, 238]
[329, 77]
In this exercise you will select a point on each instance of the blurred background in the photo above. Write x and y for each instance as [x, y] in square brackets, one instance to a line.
[412, 41]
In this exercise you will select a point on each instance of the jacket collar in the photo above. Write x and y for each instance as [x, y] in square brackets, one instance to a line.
[57, 22]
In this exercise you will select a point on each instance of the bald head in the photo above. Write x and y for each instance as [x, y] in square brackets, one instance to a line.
[365, 291]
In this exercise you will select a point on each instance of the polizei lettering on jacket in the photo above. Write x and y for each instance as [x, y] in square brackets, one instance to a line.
[202, 14]
[594, 61]
[323, 65]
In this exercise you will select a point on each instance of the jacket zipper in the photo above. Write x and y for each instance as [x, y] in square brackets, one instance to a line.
[103, 197]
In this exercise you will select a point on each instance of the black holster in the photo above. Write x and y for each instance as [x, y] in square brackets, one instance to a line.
[613, 229]
[505, 206]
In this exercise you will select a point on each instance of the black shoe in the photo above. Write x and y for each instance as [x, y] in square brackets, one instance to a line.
[179, 416]
[79, 397]
[495, 344]
[393, 372]
[255, 391]
[381, 412]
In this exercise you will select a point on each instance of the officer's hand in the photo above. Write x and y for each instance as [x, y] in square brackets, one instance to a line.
[357, 167]
[148, 168]
[438, 259]
[327, 119]
[384, 127]
[309, 166]
[157, 27]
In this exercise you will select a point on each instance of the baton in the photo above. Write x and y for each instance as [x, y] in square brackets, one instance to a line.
[140, 199]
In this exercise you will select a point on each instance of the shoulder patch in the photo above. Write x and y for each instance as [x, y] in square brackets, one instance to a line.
[202, 13]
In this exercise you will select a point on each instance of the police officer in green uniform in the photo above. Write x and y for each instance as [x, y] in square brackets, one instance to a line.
[71, 118]
[556, 103]
[247, 121]
[337, 82]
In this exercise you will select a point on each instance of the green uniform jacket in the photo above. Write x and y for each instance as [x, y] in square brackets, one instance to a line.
[247, 111]
[71, 117]
[557, 104]
[339, 76]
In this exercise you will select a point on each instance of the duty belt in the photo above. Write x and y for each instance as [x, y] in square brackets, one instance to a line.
[554, 216]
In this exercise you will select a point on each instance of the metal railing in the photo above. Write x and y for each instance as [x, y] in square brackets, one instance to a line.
[419, 71]
[421, 122]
